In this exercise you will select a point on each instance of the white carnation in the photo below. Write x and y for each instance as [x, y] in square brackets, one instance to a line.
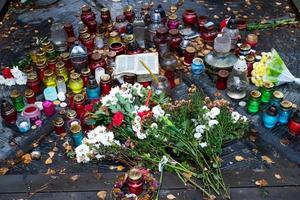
[203, 144]
[158, 112]
[235, 116]
[82, 153]
[212, 122]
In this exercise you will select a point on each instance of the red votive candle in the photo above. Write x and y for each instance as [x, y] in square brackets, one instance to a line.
[48, 108]
[221, 83]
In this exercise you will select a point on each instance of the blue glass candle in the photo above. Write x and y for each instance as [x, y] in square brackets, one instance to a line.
[23, 124]
[197, 66]
[50, 93]
[276, 98]
[93, 89]
[270, 117]
[285, 112]
[77, 134]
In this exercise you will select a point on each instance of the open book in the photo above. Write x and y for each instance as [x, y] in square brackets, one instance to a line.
[131, 64]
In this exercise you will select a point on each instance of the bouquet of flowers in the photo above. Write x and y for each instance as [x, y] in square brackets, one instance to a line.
[137, 126]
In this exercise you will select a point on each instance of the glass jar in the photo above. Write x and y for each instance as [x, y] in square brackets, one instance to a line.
[210, 33]
[79, 102]
[197, 66]
[23, 124]
[129, 13]
[116, 8]
[202, 20]
[69, 29]
[135, 181]
[58, 37]
[120, 24]
[85, 73]
[175, 40]
[253, 104]
[161, 40]
[77, 134]
[294, 124]
[276, 98]
[152, 28]
[8, 112]
[189, 17]
[266, 92]
[270, 117]
[92, 26]
[58, 124]
[139, 29]
[114, 37]
[117, 47]
[41, 67]
[132, 46]
[88, 42]
[238, 82]
[65, 57]
[221, 83]
[51, 64]
[33, 56]
[49, 78]
[48, 108]
[50, 93]
[61, 84]
[93, 89]
[173, 22]
[105, 15]
[61, 70]
[30, 97]
[250, 59]
[71, 114]
[99, 42]
[34, 83]
[46, 44]
[252, 39]
[98, 73]
[97, 61]
[32, 112]
[79, 57]
[129, 78]
[75, 83]
[162, 86]
[244, 49]
[17, 99]
[105, 84]
[285, 110]
[70, 42]
[168, 63]
[189, 55]
[232, 31]
[41, 56]
[87, 14]
[70, 97]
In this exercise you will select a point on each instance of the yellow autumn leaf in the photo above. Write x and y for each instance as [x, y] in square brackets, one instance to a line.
[48, 161]
[3, 170]
[120, 168]
[267, 159]
[74, 178]
[277, 176]
[50, 172]
[51, 154]
[239, 158]
[102, 195]
[26, 158]
[171, 197]
[261, 183]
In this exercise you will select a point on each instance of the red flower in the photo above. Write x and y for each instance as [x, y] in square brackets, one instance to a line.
[6, 72]
[145, 114]
[118, 119]
[88, 107]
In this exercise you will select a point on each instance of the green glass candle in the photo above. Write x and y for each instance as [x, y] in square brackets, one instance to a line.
[17, 100]
[253, 103]
[266, 92]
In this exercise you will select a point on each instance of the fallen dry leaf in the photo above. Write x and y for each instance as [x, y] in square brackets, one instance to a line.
[50, 172]
[48, 161]
[239, 158]
[171, 196]
[267, 159]
[261, 183]
[26, 158]
[68, 147]
[277, 176]
[51, 154]
[74, 178]
[101, 195]
[3, 170]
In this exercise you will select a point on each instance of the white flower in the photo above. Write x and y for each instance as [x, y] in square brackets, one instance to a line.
[143, 108]
[10, 81]
[154, 125]
[212, 122]
[203, 144]
[2, 80]
[99, 136]
[82, 152]
[200, 128]
[235, 116]
[141, 135]
[16, 72]
[158, 112]
[162, 163]
[99, 156]
[197, 135]
[22, 80]
[139, 88]
[244, 118]
[205, 108]
[136, 124]
[214, 112]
